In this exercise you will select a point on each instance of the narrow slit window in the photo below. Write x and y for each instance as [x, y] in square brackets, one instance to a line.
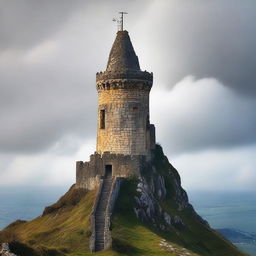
[102, 119]
[135, 109]
[147, 122]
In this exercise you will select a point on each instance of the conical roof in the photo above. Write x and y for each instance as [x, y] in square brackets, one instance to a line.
[123, 68]
[122, 56]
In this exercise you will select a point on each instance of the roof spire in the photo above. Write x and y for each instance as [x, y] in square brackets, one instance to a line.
[122, 55]
[120, 21]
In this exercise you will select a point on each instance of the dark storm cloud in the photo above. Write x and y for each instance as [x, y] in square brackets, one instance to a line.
[24, 23]
[49, 54]
[43, 97]
[36, 113]
[204, 39]
[51, 50]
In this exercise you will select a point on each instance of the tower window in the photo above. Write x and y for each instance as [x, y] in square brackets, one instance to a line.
[135, 109]
[147, 122]
[102, 119]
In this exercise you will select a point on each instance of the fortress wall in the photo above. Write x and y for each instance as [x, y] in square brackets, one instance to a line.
[89, 174]
[126, 121]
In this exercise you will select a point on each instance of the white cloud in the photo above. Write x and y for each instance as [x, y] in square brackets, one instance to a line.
[44, 169]
[201, 114]
[232, 169]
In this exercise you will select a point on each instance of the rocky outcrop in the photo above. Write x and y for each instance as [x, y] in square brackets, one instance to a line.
[153, 194]
[148, 207]
[5, 250]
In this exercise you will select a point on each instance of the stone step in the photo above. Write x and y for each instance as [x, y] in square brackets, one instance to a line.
[104, 196]
[100, 239]
[103, 201]
[101, 243]
[102, 206]
[100, 213]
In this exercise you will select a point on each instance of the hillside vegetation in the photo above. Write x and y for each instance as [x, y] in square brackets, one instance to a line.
[64, 227]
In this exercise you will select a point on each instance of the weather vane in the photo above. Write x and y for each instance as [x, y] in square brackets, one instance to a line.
[120, 21]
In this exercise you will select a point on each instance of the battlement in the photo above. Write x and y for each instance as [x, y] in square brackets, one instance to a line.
[124, 74]
[124, 79]
[89, 174]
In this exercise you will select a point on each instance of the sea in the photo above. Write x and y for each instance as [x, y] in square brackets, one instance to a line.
[231, 211]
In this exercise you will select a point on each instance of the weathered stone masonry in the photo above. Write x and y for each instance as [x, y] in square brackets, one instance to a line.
[126, 114]
[125, 137]
[89, 174]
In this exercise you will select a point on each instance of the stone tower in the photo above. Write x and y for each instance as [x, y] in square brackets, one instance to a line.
[125, 136]
[123, 102]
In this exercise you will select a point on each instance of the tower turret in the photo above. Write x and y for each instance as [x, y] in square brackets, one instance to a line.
[123, 103]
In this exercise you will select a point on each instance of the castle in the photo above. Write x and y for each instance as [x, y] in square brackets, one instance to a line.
[125, 136]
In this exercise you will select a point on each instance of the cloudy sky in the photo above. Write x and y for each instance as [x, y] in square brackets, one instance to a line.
[203, 101]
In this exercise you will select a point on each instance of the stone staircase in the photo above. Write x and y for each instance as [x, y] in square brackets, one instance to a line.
[100, 213]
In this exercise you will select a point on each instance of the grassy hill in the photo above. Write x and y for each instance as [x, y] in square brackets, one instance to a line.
[64, 227]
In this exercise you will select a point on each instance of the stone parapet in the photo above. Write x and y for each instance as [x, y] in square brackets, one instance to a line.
[89, 174]
[115, 84]
[137, 75]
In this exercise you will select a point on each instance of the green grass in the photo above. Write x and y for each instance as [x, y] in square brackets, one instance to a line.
[143, 239]
[64, 228]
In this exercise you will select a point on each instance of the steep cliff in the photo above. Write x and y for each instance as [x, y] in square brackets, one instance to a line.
[158, 203]
[152, 216]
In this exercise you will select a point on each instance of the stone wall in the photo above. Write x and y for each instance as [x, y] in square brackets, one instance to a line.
[126, 121]
[88, 174]
[111, 204]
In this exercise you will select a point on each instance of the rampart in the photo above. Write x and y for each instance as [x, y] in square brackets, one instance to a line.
[89, 174]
